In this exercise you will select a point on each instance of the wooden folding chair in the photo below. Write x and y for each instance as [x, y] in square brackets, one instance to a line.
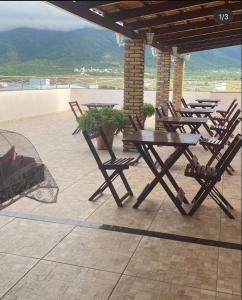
[223, 120]
[118, 165]
[215, 145]
[184, 103]
[135, 122]
[208, 177]
[224, 113]
[75, 107]
[174, 113]
[219, 129]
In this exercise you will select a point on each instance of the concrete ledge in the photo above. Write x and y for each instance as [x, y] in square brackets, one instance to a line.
[30, 103]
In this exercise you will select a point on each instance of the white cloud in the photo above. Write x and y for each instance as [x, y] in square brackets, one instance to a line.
[38, 14]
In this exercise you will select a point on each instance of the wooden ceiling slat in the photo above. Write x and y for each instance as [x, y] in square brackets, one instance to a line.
[219, 38]
[200, 24]
[184, 16]
[199, 32]
[191, 48]
[153, 9]
[82, 9]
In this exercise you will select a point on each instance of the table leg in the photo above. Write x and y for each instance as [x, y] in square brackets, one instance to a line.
[159, 177]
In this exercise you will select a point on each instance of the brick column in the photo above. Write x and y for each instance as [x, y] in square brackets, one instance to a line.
[162, 82]
[133, 84]
[178, 82]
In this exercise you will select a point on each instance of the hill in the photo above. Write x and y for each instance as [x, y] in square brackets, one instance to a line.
[40, 52]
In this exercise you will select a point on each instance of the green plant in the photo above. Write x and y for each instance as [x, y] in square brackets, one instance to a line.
[106, 117]
[149, 110]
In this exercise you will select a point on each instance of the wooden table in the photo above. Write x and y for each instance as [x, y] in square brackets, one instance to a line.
[208, 100]
[199, 112]
[202, 105]
[144, 141]
[196, 111]
[99, 105]
[193, 123]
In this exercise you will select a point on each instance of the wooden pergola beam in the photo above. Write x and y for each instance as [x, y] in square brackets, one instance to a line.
[191, 25]
[81, 9]
[204, 12]
[153, 9]
[218, 39]
[201, 37]
[191, 48]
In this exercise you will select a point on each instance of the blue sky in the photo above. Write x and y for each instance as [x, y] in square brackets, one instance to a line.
[37, 14]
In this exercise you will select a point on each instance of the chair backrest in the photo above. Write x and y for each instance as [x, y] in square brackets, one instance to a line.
[75, 107]
[229, 154]
[89, 136]
[229, 113]
[232, 124]
[135, 122]
[184, 103]
[231, 106]
[171, 108]
[160, 111]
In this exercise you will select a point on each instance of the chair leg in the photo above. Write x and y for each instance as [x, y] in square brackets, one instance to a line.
[126, 184]
[112, 189]
[103, 186]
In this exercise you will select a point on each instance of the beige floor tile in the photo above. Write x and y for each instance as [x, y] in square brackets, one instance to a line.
[31, 238]
[4, 220]
[134, 288]
[223, 296]
[188, 293]
[173, 222]
[24, 205]
[232, 187]
[229, 271]
[98, 249]
[73, 202]
[230, 230]
[54, 281]
[236, 203]
[110, 213]
[12, 268]
[175, 262]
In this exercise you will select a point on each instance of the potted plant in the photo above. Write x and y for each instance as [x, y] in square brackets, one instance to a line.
[149, 110]
[110, 119]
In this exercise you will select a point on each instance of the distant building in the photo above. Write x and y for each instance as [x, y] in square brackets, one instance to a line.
[93, 86]
[39, 82]
[220, 86]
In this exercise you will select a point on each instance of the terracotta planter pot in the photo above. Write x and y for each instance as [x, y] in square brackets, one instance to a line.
[109, 132]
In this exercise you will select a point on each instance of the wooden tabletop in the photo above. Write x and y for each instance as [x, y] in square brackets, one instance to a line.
[208, 100]
[197, 110]
[204, 104]
[184, 120]
[156, 137]
[100, 104]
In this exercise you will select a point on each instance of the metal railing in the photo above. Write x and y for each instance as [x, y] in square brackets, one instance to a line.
[12, 83]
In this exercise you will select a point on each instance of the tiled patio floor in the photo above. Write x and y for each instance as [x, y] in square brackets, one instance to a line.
[56, 258]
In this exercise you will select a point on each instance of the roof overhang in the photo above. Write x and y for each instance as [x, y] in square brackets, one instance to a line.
[189, 25]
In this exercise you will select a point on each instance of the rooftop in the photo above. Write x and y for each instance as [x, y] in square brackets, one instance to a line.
[76, 249]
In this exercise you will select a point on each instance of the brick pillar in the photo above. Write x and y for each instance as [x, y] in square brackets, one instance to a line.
[162, 82]
[133, 84]
[178, 82]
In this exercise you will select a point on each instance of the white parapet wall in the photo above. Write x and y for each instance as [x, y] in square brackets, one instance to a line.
[30, 103]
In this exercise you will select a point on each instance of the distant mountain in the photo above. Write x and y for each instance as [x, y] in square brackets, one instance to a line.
[34, 52]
